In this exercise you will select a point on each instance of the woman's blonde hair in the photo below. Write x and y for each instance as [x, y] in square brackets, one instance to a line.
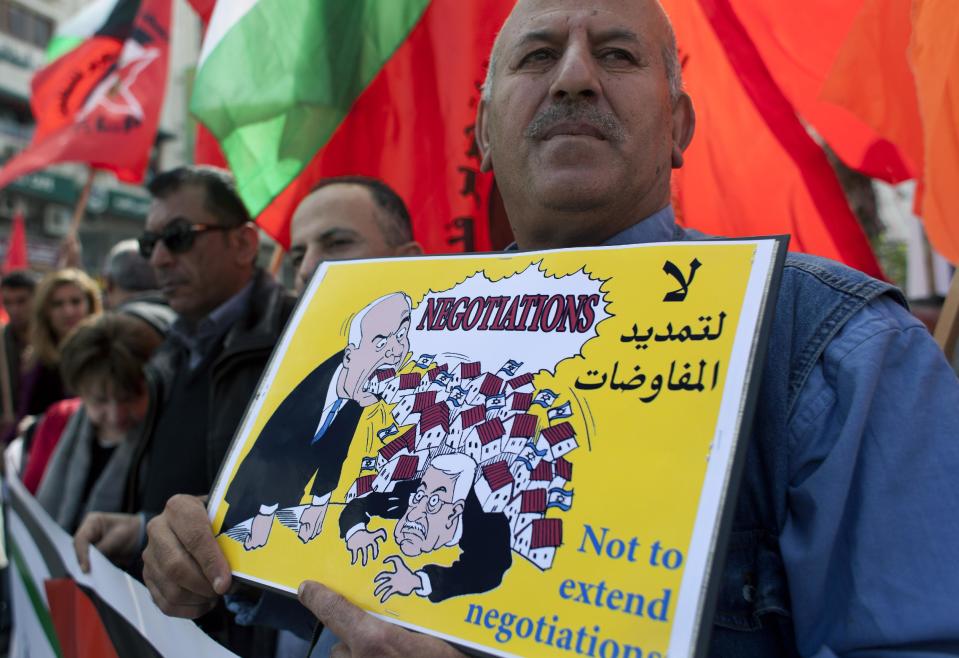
[43, 339]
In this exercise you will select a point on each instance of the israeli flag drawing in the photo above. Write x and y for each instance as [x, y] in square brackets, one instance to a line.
[545, 398]
[565, 411]
[496, 401]
[368, 464]
[387, 432]
[457, 396]
[510, 367]
[425, 360]
[557, 497]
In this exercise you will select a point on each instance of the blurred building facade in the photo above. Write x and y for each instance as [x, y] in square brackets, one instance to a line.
[115, 211]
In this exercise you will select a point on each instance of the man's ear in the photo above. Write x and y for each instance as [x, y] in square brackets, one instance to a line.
[481, 133]
[684, 125]
[347, 355]
[246, 244]
[457, 512]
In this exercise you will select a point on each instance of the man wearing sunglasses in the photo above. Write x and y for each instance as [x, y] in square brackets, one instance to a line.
[202, 246]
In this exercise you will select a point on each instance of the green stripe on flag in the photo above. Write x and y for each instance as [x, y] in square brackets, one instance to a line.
[61, 45]
[39, 607]
[278, 84]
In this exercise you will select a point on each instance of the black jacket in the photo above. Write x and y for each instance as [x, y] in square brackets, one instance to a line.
[244, 353]
[284, 457]
[485, 541]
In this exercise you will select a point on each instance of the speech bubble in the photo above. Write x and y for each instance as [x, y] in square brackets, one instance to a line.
[527, 322]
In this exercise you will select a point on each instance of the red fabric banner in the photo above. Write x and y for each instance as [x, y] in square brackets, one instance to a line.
[100, 103]
[413, 128]
[753, 168]
[16, 256]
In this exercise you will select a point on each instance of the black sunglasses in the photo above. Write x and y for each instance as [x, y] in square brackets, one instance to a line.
[178, 237]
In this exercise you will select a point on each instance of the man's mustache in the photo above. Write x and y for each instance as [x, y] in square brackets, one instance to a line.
[575, 112]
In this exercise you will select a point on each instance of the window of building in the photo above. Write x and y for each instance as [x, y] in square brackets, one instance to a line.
[25, 24]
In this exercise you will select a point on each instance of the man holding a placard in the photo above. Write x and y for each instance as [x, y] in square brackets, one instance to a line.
[844, 535]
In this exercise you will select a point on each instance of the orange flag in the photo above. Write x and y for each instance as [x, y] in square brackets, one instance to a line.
[871, 76]
[752, 168]
[935, 60]
[799, 43]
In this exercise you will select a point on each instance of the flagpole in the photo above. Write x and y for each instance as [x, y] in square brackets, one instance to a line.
[70, 250]
[276, 261]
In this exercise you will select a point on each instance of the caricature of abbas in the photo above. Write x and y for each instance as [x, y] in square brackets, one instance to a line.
[311, 431]
[437, 510]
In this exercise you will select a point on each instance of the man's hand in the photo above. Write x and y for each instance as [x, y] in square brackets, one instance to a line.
[401, 581]
[362, 635]
[117, 536]
[183, 566]
[259, 531]
[363, 542]
[311, 522]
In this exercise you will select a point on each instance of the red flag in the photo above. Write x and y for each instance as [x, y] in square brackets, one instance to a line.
[413, 128]
[752, 168]
[16, 257]
[100, 103]
[799, 43]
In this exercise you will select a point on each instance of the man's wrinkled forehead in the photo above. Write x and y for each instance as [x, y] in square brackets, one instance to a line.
[553, 19]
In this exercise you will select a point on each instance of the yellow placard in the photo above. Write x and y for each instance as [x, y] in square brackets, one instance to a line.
[534, 446]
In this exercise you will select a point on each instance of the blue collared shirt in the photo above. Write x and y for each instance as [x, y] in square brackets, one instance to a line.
[871, 541]
[199, 340]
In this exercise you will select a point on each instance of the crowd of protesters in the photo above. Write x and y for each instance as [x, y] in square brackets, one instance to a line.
[843, 539]
[97, 401]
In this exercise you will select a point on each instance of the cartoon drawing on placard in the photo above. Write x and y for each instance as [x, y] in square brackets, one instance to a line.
[309, 434]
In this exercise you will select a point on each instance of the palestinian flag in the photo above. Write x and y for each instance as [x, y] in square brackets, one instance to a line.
[299, 90]
[59, 612]
[98, 99]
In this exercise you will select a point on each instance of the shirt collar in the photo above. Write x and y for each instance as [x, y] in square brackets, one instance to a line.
[199, 339]
[658, 227]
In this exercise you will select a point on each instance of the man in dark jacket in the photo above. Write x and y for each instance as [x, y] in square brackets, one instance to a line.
[202, 245]
[309, 434]
[440, 509]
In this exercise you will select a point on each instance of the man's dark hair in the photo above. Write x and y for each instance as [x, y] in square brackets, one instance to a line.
[128, 270]
[399, 228]
[219, 187]
[19, 280]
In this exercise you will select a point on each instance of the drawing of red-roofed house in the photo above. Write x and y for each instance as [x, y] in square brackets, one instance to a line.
[516, 403]
[494, 488]
[468, 370]
[485, 440]
[360, 487]
[434, 426]
[526, 507]
[482, 388]
[562, 473]
[404, 443]
[557, 440]
[401, 467]
[541, 476]
[521, 383]
[520, 429]
[433, 373]
[538, 541]
[466, 419]
[387, 383]
[407, 410]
